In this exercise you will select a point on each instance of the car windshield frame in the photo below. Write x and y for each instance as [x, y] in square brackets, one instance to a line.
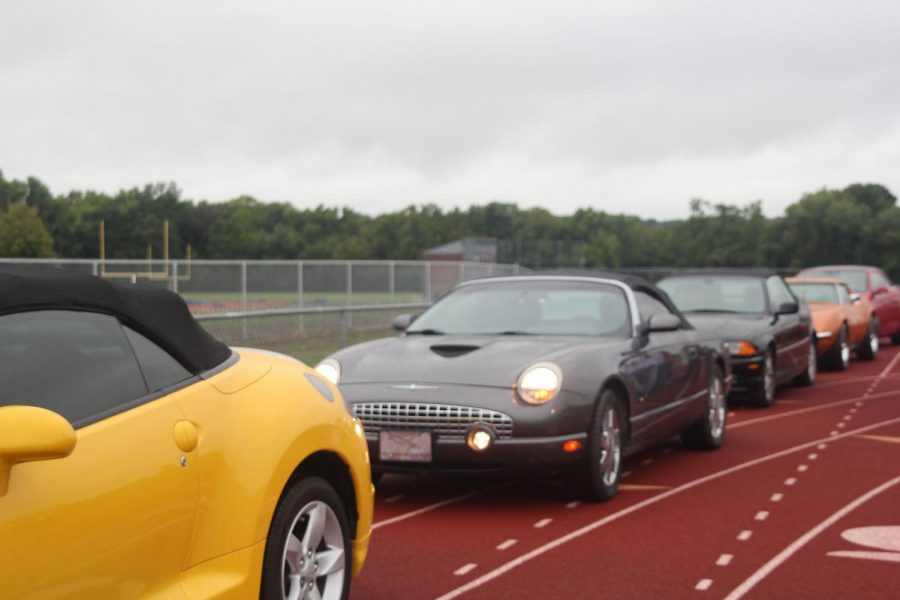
[849, 276]
[532, 306]
[723, 306]
[799, 287]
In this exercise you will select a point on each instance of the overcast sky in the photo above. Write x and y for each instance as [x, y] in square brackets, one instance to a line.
[630, 106]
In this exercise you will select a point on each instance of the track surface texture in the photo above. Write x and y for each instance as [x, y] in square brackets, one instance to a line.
[802, 501]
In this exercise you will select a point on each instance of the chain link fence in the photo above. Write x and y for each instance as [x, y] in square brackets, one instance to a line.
[306, 309]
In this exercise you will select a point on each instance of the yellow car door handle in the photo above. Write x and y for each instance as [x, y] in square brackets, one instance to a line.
[186, 435]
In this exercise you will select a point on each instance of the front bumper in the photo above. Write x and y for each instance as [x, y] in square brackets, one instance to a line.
[746, 374]
[544, 453]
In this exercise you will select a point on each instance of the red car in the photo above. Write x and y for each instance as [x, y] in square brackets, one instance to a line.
[872, 283]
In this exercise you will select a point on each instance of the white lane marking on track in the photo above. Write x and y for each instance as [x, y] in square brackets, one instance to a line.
[859, 404]
[833, 432]
[847, 417]
[790, 481]
[430, 507]
[581, 531]
[666, 450]
[802, 468]
[703, 584]
[853, 411]
[646, 461]
[777, 497]
[762, 515]
[867, 555]
[792, 549]
[801, 411]
[464, 569]
[745, 535]
[507, 544]
[626, 474]
[393, 499]
[821, 446]
[724, 560]
[841, 425]
[543, 523]
[813, 456]
[573, 504]
[880, 537]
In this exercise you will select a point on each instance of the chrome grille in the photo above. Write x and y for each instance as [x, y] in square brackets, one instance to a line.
[445, 420]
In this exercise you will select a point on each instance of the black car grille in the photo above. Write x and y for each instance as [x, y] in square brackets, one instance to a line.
[445, 420]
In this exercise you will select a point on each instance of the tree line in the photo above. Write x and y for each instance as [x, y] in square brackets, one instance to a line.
[857, 224]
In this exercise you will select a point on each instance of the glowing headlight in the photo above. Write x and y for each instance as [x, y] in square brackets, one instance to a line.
[539, 383]
[330, 369]
[741, 348]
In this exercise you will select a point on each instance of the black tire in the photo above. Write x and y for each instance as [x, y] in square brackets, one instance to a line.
[868, 349]
[305, 499]
[596, 477]
[377, 474]
[838, 356]
[895, 339]
[708, 433]
[808, 376]
[764, 395]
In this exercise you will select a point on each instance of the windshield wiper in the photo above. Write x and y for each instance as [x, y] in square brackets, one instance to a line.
[425, 332]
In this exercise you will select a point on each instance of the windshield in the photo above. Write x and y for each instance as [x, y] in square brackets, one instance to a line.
[855, 278]
[719, 293]
[816, 292]
[529, 307]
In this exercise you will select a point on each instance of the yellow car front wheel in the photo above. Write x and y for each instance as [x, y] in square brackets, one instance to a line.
[308, 548]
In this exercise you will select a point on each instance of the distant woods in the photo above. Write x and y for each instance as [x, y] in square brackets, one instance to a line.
[858, 224]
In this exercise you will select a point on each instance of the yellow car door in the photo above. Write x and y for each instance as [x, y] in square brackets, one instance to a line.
[114, 518]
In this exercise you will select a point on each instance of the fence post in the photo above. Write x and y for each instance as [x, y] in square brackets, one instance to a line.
[95, 267]
[349, 283]
[244, 298]
[174, 280]
[391, 282]
[300, 294]
[427, 267]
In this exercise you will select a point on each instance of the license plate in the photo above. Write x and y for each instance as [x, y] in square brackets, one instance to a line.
[406, 446]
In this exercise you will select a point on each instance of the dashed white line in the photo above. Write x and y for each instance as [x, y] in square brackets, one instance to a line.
[790, 481]
[762, 515]
[813, 456]
[393, 499]
[666, 450]
[821, 446]
[745, 535]
[847, 417]
[431, 507]
[507, 544]
[776, 497]
[703, 584]
[853, 411]
[626, 474]
[573, 504]
[464, 569]
[832, 433]
[646, 461]
[724, 560]
[543, 523]
[802, 468]
[841, 425]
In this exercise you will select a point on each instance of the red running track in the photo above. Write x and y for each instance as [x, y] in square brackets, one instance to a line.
[802, 501]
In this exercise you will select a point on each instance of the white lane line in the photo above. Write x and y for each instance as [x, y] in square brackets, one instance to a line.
[847, 417]
[762, 515]
[431, 507]
[859, 404]
[543, 523]
[833, 432]
[777, 497]
[703, 584]
[507, 544]
[841, 425]
[646, 461]
[821, 446]
[853, 411]
[790, 481]
[666, 450]
[802, 468]
[581, 531]
[801, 411]
[626, 474]
[464, 569]
[393, 499]
[724, 560]
[813, 456]
[745, 535]
[573, 504]
[785, 554]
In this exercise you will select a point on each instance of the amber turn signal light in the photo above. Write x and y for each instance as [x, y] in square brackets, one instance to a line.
[572, 446]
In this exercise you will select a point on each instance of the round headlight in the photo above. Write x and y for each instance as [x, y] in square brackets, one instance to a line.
[330, 369]
[539, 383]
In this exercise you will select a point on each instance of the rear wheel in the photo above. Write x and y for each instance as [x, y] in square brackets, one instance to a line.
[895, 339]
[765, 393]
[838, 356]
[808, 376]
[868, 350]
[596, 478]
[709, 432]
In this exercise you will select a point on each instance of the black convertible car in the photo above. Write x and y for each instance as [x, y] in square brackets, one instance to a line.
[769, 333]
[566, 372]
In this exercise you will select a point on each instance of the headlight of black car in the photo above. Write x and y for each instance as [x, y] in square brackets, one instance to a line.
[741, 348]
[330, 369]
[539, 383]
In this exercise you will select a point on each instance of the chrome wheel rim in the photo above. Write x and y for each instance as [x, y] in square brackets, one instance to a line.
[769, 379]
[314, 557]
[811, 365]
[845, 351]
[610, 445]
[874, 344]
[716, 414]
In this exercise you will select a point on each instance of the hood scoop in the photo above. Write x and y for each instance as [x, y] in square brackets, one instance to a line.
[452, 350]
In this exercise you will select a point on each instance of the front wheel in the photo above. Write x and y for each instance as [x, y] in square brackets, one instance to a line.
[808, 376]
[308, 548]
[765, 393]
[838, 356]
[709, 432]
[868, 350]
[596, 478]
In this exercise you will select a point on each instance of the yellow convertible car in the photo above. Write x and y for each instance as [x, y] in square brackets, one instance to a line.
[142, 458]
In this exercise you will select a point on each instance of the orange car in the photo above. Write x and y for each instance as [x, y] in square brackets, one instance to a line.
[843, 320]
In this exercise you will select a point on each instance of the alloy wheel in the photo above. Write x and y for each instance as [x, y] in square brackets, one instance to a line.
[610, 445]
[314, 556]
[769, 379]
[811, 364]
[716, 412]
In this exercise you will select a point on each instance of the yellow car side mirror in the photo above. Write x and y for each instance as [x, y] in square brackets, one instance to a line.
[30, 433]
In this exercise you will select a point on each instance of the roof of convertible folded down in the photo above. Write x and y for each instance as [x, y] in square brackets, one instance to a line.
[159, 314]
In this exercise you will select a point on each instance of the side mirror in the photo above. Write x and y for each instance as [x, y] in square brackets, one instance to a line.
[855, 298]
[29, 433]
[662, 322]
[402, 322]
[879, 291]
[787, 308]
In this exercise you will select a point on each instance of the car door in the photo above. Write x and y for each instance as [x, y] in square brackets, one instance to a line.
[855, 314]
[667, 371]
[113, 519]
[791, 330]
[886, 302]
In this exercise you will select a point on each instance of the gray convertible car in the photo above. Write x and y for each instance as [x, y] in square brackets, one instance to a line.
[566, 373]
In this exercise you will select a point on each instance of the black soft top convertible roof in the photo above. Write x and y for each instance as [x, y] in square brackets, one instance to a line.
[159, 314]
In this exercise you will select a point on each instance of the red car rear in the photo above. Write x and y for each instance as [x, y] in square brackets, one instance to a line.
[875, 285]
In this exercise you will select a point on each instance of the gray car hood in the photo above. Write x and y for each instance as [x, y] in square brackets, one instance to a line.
[494, 361]
[731, 326]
